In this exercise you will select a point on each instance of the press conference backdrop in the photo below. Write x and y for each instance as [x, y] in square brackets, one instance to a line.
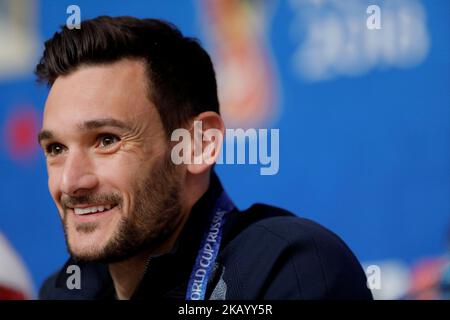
[362, 111]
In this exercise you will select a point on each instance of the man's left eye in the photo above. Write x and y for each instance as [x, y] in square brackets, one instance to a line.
[107, 140]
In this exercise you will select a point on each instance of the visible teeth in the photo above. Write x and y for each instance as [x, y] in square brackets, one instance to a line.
[80, 211]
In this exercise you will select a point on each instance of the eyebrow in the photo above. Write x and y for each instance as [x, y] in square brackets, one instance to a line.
[100, 123]
[88, 125]
[44, 135]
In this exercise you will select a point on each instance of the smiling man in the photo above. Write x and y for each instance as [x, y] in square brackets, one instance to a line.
[136, 224]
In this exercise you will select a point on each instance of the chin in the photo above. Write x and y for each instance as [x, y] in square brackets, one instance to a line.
[86, 246]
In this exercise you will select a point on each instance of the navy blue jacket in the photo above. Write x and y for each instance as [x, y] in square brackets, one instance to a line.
[266, 253]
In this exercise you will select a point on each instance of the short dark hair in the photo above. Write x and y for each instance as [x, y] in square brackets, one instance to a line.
[181, 78]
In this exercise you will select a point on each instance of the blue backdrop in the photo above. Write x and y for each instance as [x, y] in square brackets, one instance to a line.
[365, 153]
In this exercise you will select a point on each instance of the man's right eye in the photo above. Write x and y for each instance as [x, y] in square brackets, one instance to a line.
[54, 149]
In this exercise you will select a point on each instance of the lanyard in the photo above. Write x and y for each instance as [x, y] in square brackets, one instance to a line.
[209, 249]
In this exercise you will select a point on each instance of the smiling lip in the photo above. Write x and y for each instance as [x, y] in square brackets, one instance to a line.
[92, 209]
[88, 212]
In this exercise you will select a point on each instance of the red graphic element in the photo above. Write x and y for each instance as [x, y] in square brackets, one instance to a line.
[246, 73]
[20, 133]
[11, 294]
[425, 278]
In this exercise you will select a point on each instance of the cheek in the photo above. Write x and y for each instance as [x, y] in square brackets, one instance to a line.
[122, 172]
[53, 186]
[125, 166]
[52, 182]
[116, 174]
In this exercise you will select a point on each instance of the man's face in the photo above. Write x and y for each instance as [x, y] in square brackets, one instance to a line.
[108, 166]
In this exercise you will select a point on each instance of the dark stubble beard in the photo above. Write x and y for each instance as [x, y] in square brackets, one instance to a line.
[156, 215]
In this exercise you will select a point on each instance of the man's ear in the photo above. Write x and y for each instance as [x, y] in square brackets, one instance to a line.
[207, 136]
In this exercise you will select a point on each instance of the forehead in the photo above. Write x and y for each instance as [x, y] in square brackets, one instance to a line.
[117, 90]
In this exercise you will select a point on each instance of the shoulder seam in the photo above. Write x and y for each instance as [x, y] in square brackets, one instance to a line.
[289, 259]
[317, 252]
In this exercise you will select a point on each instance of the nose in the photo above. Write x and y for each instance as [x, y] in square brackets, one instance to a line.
[78, 175]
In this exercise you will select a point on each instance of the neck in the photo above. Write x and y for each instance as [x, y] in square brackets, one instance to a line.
[127, 274]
